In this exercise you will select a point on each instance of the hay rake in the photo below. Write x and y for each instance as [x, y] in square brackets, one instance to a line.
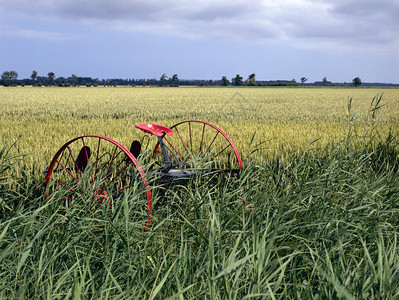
[97, 167]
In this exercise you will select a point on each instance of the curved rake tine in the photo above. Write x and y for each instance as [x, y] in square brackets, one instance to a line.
[111, 162]
[76, 165]
[98, 153]
[174, 149]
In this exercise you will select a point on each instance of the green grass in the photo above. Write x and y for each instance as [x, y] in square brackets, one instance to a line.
[319, 224]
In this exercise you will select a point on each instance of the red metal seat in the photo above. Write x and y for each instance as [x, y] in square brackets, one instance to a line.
[154, 129]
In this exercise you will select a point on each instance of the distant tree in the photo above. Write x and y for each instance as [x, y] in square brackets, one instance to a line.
[5, 78]
[34, 75]
[325, 81]
[51, 77]
[175, 78]
[8, 77]
[356, 81]
[225, 81]
[163, 79]
[251, 80]
[13, 76]
[237, 81]
[74, 80]
[174, 81]
[303, 80]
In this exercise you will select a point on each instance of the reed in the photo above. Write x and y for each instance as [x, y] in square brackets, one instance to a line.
[299, 226]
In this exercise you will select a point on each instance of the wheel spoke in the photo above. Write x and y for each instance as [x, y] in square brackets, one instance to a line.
[202, 138]
[191, 138]
[207, 150]
[66, 169]
[206, 142]
[221, 151]
[63, 185]
[177, 130]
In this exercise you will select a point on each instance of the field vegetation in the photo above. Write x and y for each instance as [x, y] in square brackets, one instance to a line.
[314, 215]
[41, 120]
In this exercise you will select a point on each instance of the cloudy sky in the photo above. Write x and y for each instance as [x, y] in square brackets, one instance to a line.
[202, 39]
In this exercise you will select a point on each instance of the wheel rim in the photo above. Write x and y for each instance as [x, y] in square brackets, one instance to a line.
[199, 144]
[98, 170]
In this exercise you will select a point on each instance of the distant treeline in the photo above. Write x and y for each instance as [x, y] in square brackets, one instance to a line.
[88, 81]
[10, 78]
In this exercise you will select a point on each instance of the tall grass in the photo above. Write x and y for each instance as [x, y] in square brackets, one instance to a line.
[318, 224]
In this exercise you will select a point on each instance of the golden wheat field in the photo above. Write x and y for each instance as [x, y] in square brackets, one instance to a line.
[41, 120]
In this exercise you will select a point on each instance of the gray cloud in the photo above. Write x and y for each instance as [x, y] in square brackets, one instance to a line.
[366, 8]
[376, 19]
[300, 21]
[103, 10]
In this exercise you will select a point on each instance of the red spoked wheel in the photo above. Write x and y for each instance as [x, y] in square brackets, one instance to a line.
[96, 170]
[200, 145]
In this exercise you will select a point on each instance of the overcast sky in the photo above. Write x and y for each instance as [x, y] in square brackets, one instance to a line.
[202, 39]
